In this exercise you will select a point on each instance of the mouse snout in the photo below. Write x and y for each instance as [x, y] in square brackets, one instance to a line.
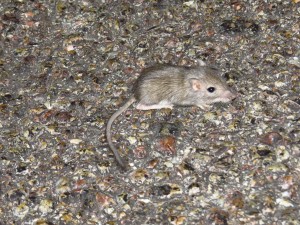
[231, 95]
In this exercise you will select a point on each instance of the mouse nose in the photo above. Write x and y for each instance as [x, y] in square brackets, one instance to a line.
[231, 95]
[234, 95]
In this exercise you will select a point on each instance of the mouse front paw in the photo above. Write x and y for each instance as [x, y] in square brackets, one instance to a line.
[205, 107]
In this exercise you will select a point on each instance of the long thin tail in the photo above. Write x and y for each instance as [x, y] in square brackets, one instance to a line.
[108, 131]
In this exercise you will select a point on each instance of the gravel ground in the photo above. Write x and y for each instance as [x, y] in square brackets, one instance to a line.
[67, 66]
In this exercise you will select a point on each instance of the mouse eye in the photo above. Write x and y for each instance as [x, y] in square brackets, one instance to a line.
[211, 89]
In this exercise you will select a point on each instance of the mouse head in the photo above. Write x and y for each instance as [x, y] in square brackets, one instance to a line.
[209, 87]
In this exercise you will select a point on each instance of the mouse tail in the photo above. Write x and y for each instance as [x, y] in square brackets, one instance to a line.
[108, 130]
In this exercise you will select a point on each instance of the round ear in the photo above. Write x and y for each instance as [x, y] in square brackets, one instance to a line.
[196, 84]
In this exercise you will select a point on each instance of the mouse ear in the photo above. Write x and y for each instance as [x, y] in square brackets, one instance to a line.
[196, 84]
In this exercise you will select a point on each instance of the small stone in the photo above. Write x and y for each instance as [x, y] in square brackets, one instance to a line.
[45, 116]
[161, 190]
[177, 220]
[21, 210]
[153, 163]
[280, 84]
[263, 152]
[41, 222]
[75, 141]
[284, 202]
[239, 25]
[282, 154]
[277, 167]
[62, 185]
[46, 206]
[167, 145]
[63, 117]
[132, 140]
[140, 152]
[271, 138]
[194, 189]
[104, 200]
[287, 182]
[162, 176]
[140, 175]
[237, 200]
[218, 216]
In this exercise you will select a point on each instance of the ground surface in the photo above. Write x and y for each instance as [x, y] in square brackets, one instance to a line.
[66, 66]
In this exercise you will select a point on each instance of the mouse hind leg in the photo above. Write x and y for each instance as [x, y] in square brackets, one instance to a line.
[160, 105]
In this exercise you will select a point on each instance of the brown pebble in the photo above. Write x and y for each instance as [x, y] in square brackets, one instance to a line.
[140, 152]
[271, 138]
[45, 116]
[218, 216]
[153, 163]
[104, 200]
[63, 116]
[237, 200]
[161, 190]
[263, 152]
[167, 145]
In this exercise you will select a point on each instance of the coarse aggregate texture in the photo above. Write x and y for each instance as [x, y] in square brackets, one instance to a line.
[67, 66]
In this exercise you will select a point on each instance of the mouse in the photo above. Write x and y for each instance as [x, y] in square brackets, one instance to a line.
[165, 86]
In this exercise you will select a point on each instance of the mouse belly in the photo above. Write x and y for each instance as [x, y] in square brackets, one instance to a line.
[160, 105]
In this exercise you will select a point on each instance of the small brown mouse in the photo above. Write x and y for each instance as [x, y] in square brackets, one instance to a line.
[165, 86]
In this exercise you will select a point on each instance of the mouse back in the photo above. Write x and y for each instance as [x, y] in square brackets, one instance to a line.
[158, 83]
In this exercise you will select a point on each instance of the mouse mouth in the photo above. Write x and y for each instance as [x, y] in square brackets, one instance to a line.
[227, 97]
[222, 100]
[230, 95]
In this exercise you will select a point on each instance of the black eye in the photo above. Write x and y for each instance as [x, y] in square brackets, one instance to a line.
[211, 89]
